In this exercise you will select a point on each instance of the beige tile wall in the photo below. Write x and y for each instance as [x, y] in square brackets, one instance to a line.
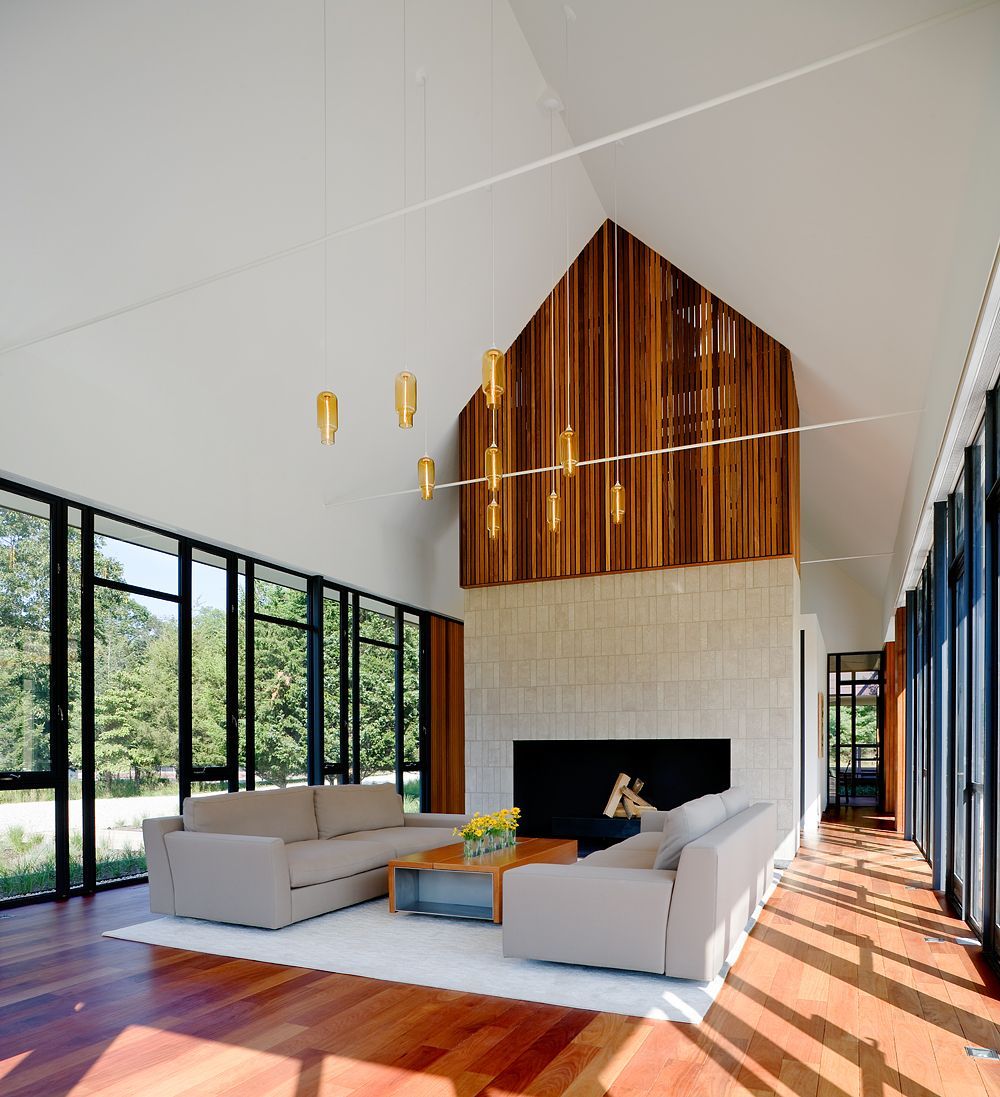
[675, 653]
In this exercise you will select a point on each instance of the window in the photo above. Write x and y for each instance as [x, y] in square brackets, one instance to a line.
[152, 667]
[280, 660]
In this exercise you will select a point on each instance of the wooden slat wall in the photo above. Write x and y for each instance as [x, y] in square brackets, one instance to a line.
[692, 369]
[894, 765]
[447, 730]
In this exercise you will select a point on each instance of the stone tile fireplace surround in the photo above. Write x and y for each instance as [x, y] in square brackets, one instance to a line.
[703, 651]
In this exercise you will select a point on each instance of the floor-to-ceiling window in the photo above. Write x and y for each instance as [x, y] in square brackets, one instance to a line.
[138, 667]
[958, 691]
[954, 645]
[28, 650]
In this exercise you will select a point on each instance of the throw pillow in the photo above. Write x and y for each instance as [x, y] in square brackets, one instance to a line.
[684, 824]
[735, 800]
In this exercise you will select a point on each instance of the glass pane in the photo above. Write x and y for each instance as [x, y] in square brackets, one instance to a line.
[977, 756]
[958, 517]
[377, 621]
[331, 680]
[377, 676]
[411, 792]
[959, 726]
[27, 842]
[241, 666]
[280, 704]
[279, 594]
[129, 554]
[208, 661]
[208, 788]
[411, 692]
[75, 680]
[25, 592]
[136, 724]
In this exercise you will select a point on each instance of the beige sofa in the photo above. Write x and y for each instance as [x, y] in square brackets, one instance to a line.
[277, 856]
[614, 909]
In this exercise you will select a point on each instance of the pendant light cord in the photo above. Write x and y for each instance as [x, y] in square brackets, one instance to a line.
[493, 230]
[326, 216]
[427, 356]
[569, 141]
[403, 218]
[617, 444]
[552, 331]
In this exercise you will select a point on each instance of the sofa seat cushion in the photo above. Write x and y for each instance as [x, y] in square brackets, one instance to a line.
[622, 856]
[684, 824]
[285, 813]
[343, 809]
[320, 860]
[735, 800]
[403, 840]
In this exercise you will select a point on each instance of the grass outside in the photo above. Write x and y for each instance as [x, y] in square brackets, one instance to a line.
[28, 859]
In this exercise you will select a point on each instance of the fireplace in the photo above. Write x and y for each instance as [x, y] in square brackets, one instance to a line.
[562, 785]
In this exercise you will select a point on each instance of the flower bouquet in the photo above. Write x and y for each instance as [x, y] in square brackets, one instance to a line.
[486, 833]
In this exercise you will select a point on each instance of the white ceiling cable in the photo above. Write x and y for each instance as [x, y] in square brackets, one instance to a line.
[512, 173]
[645, 453]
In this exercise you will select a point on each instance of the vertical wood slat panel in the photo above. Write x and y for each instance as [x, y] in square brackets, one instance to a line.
[447, 707]
[691, 370]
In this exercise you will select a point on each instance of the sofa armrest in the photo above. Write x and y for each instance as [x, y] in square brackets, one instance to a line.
[230, 878]
[651, 820]
[582, 914]
[161, 885]
[716, 891]
[431, 819]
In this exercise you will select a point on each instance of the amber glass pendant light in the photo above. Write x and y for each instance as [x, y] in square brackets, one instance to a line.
[327, 417]
[494, 467]
[617, 503]
[425, 476]
[553, 511]
[569, 456]
[406, 398]
[494, 377]
[493, 519]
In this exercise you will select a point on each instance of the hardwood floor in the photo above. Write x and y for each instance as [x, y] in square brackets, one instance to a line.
[835, 994]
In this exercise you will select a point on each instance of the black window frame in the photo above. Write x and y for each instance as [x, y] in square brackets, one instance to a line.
[237, 563]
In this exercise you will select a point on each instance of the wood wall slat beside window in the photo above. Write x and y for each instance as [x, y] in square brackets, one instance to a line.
[447, 738]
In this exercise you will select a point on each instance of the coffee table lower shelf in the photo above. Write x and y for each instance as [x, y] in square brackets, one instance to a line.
[445, 882]
[438, 891]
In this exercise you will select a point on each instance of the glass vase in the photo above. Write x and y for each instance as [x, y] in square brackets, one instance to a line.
[471, 847]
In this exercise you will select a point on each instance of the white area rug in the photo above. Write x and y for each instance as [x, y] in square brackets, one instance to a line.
[449, 953]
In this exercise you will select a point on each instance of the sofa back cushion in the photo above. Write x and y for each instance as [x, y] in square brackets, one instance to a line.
[735, 800]
[285, 813]
[344, 809]
[684, 824]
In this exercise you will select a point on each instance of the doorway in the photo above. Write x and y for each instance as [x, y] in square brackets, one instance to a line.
[855, 729]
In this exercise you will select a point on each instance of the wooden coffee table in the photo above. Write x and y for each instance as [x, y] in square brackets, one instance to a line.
[445, 881]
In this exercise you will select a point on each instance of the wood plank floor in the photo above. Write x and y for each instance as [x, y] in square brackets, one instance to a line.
[835, 994]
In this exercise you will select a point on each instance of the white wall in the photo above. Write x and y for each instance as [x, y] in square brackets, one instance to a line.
[707, 651]
[814, 761]
[850, 615]
[154, 145]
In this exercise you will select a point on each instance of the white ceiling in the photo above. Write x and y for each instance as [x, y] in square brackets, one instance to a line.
[851, 213]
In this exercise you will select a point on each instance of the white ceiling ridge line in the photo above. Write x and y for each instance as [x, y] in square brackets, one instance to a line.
[735, 439]
[842, 559]
[513, 173]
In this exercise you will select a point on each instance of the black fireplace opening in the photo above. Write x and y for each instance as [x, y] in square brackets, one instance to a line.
[562, 785]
